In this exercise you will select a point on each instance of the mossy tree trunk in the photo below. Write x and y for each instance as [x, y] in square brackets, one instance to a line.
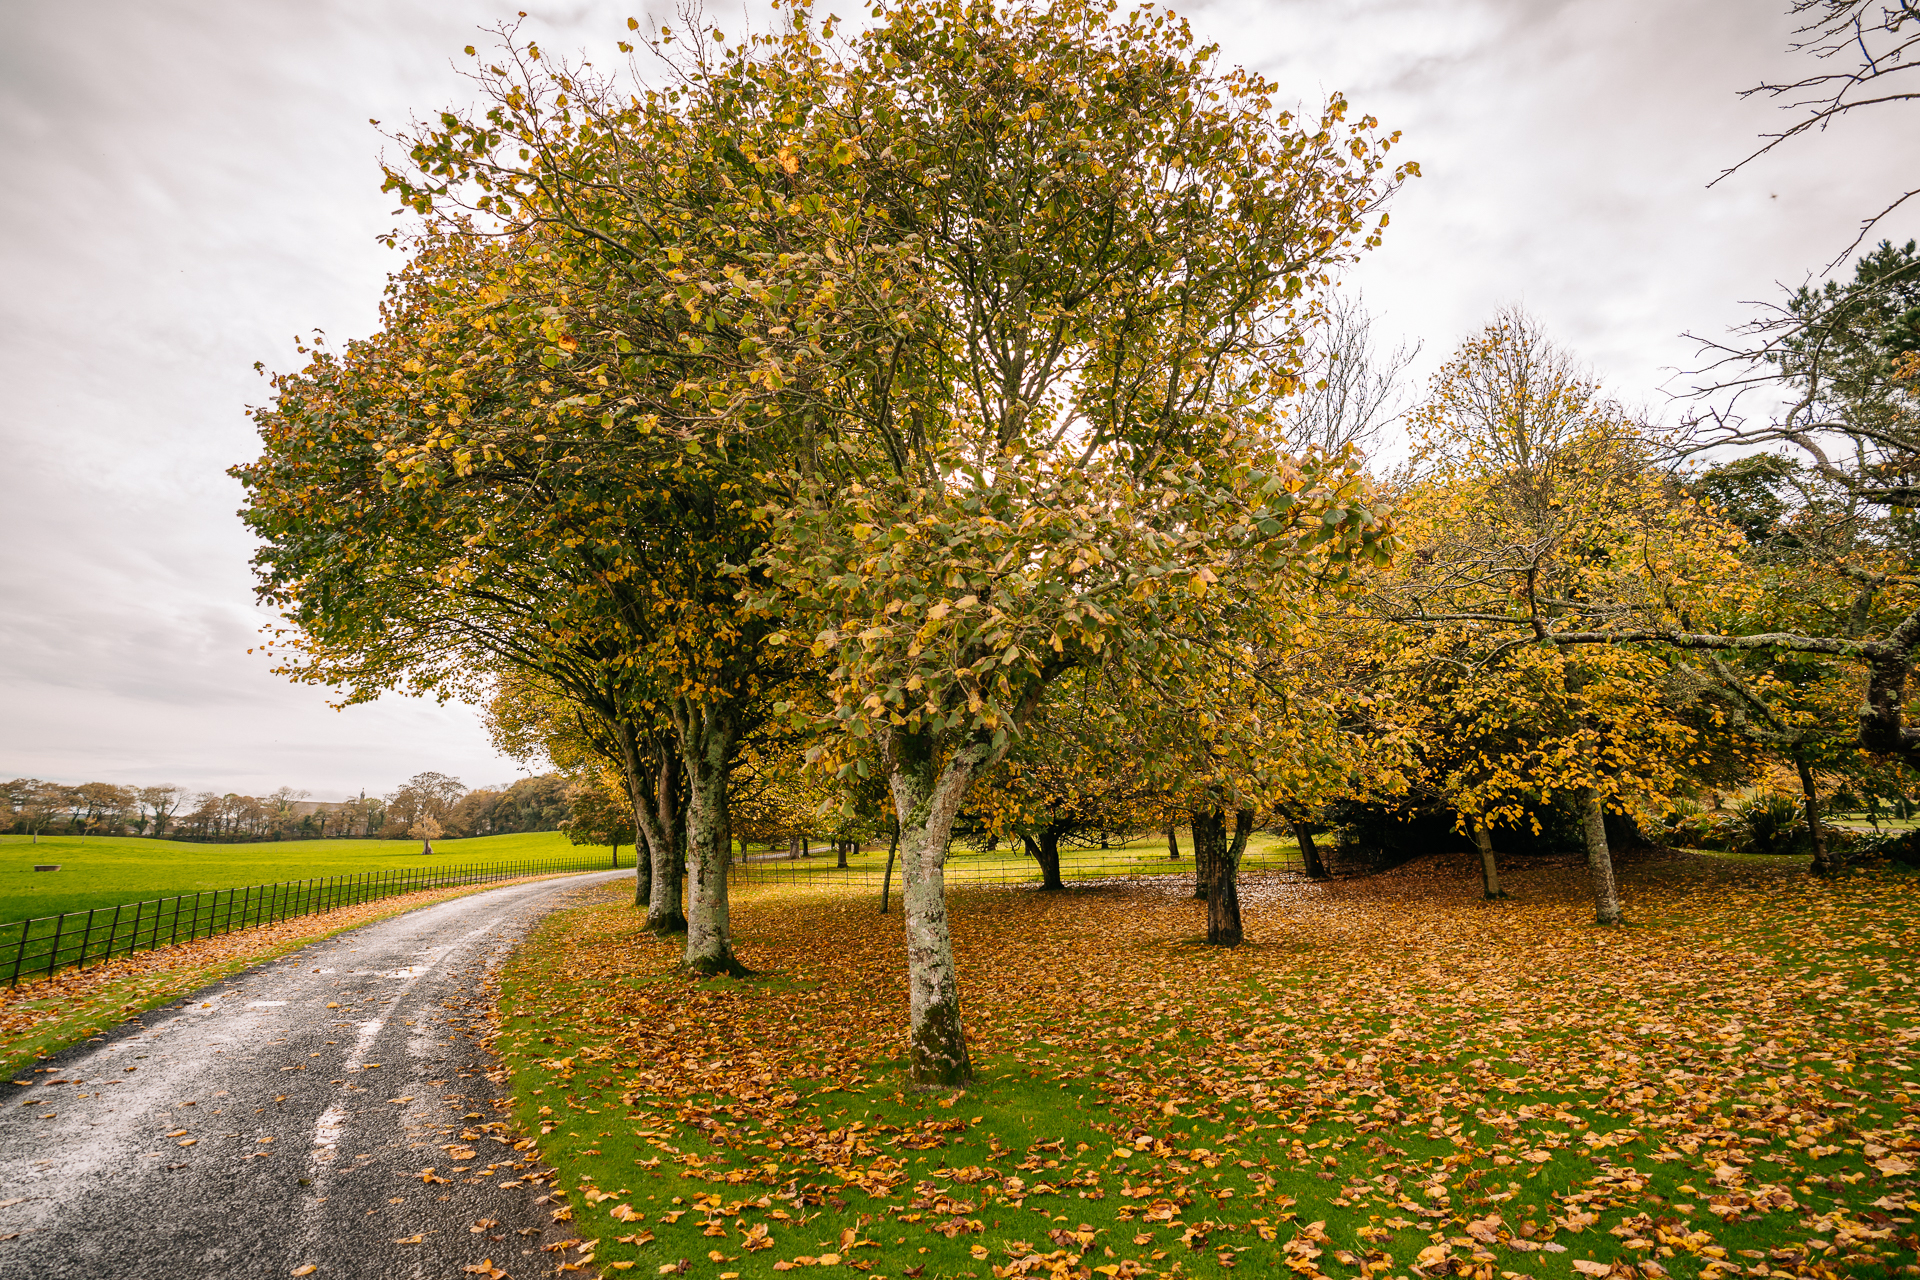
[928, 784]
[707, 736]
[1606, 893]
[664, 829]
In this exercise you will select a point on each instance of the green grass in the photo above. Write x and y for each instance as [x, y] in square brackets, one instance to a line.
[1008, 865]
[108, 871]
[1391, 1070]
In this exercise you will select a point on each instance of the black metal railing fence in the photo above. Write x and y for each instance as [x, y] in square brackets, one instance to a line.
[38, 947]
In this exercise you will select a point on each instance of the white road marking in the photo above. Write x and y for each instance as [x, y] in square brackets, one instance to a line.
[326, 1134]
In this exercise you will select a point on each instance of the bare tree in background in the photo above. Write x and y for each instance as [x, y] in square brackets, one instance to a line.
[1869, 56]
[1352, 390]
[161, 803]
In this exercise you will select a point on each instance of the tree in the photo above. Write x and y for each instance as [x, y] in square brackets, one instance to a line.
[161, 803]
[599, 811]
[425, 795]
[1541, 535]
[33, 804]
[529, 715]
[1075, 774]
[426, 829]
[1067, 445]
[1870, 35]
[1350, 390]
[281, 806]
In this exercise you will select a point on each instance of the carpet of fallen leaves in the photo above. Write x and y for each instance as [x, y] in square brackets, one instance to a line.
[44, 1014]
[1394, 1079]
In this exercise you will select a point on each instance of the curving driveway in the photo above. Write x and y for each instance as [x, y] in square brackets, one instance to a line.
[284, 1119]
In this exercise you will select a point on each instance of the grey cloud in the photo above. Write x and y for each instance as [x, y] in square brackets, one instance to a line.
[190, 185]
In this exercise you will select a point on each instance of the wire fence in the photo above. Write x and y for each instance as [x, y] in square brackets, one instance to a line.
[44, 945]
[867, 869]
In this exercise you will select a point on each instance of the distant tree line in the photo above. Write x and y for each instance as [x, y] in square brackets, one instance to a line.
[35, 807]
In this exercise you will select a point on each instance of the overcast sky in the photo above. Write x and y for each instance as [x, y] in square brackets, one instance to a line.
[189, 184]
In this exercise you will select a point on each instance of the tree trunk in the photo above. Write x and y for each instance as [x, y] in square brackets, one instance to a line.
[1489, 868]
[667, 842]
[1046, 852]
[1222, 857]
[1204, 842]
[840, 847]
[1606, 894]
[1824, 862]
[1310, 862]
[927, 794]
[886, 881]
[637, 796]
[707, 754]
[806, 846]
[1173, 845]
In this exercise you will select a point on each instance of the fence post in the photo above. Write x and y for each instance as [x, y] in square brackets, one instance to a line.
[20, 956]
[53, 956]
[86, 939]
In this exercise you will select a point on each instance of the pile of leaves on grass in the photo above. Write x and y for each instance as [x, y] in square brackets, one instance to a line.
[1396, 1080]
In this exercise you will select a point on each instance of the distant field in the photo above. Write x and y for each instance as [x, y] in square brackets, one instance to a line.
[107, 871]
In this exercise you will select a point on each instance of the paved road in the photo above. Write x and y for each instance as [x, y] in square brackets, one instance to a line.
[283, 1118]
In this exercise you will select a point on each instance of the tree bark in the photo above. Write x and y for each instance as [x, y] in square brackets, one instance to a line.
[707, 738]
[1173, 844]
[1204, 838]
[1310, 862]
[886, 881]
[1046, 852]
[1606, 894]
[666, 842]
[1489, 867]
[1222, 856]
[927, 793]
[637, 796]
[1824, 862]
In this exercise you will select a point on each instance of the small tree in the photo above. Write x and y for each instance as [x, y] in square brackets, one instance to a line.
[426, 829]
[599, 810]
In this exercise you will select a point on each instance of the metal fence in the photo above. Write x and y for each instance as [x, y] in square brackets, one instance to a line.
[867, 869]
[44, 945]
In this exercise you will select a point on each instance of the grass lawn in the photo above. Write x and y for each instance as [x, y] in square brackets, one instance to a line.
[1008, 864]
[1393, 1079]
[107, 871]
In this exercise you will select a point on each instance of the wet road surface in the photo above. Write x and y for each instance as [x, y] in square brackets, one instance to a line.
[287, 1117]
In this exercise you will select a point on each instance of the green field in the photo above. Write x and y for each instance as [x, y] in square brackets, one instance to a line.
[1009, 865]
[108, 871]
